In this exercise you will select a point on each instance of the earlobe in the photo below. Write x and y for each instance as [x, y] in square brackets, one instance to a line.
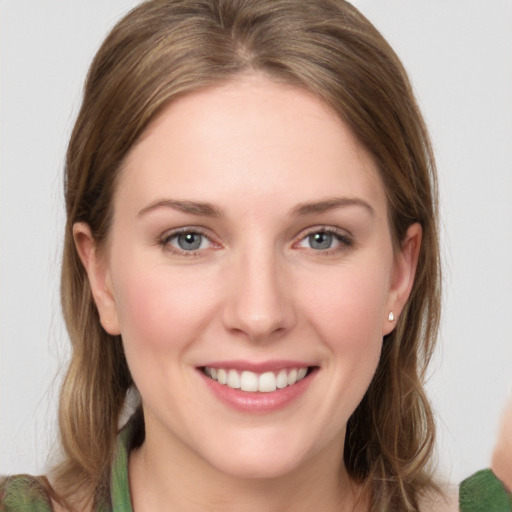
[98, 275]
[402, 279]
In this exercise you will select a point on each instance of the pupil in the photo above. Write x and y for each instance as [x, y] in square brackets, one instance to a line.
[189, 241]
[320, 240]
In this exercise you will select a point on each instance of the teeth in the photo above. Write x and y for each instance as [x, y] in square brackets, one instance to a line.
[233, 379]
[251, 382]
[282, 379]
[267, 382]
[222, 376]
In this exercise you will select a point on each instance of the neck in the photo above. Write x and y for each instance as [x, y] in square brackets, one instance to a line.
[170, 481]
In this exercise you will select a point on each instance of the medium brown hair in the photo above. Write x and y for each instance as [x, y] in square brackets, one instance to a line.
[165, 48]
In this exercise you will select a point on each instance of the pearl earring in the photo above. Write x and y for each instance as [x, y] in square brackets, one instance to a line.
[391, 316]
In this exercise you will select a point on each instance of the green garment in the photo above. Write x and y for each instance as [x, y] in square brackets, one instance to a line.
[25, 493]
[482, 492]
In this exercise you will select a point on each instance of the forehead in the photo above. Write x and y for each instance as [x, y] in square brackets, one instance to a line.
[249, 137]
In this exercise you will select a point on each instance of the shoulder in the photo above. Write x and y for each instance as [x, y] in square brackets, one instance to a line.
[24, 493]
[483, 492]
[444, 500]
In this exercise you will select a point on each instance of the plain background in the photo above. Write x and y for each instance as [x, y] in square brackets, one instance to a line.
[459, 56]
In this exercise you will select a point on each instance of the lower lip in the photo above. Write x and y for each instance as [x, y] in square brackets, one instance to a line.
[258, 402]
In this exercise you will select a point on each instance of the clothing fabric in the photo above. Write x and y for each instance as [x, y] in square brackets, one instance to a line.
[482, 492]
[25, 493]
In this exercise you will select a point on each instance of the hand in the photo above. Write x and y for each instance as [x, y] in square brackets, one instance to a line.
[501, 464]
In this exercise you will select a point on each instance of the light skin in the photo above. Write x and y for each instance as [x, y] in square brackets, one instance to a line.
[295, 261]
[502, 456]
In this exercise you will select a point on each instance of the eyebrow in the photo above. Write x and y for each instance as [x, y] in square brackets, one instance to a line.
[329, 204]
[191, 207]
[209, 210]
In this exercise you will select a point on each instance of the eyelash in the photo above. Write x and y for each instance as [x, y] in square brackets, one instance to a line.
[345, 241]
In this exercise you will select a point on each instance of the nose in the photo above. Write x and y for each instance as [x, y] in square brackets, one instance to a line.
[259, 305]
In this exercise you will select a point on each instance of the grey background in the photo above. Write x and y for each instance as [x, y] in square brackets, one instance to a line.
[459, 56]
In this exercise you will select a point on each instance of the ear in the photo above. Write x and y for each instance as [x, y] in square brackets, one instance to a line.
[99, 277]
[402, 279]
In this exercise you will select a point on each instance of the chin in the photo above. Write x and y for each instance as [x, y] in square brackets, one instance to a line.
[259, 460]
[251, 469]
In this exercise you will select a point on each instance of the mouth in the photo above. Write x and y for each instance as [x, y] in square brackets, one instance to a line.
[253, 382]
[258, 388]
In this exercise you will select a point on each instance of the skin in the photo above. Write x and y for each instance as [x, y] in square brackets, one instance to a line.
[256, 290]
[502, 456]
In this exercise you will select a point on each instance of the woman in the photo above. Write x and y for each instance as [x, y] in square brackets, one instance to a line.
[251, 244]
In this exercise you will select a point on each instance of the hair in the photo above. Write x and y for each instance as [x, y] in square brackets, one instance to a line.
[166, 48]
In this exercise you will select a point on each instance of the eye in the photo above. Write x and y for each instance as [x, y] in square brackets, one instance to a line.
[321, 241]
[186, 241]
[325, 239]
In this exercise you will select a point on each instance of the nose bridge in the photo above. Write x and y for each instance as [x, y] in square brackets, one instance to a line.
[259, 305]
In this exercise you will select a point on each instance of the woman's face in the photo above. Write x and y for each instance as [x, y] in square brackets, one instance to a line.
[250, 247]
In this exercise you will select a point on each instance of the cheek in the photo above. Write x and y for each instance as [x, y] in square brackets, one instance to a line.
[159, 307]
[347, 312]
[162, 312]
[349, 306]
[344, 312]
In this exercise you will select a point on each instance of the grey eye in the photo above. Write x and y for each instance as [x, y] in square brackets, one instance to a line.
[189, 241]
[320, 241]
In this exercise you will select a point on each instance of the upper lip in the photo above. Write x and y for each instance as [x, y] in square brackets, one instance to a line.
[257, 367]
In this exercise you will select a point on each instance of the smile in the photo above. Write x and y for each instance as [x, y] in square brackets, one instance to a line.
[253, 382]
